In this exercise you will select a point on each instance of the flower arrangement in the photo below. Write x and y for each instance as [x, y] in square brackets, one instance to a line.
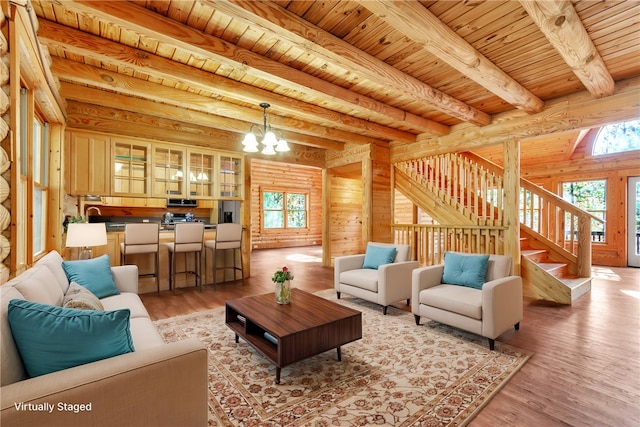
[282, 275]
[283, 289]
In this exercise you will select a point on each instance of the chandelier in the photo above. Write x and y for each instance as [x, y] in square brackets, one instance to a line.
[270, 142]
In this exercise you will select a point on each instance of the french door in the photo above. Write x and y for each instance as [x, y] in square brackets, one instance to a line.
[633, 222]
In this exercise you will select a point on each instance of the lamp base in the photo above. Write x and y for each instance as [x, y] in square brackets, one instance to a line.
[85, 253]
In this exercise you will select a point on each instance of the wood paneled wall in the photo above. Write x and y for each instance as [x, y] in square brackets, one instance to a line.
[285, 177]
[346, 216]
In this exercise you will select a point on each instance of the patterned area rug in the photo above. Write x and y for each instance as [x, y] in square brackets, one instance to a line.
[398, 374]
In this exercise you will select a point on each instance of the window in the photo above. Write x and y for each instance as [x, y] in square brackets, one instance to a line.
[590, 196]
[40, 171]
[617, 138]
[281, 209]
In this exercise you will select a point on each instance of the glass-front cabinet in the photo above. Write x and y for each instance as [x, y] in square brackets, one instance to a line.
[201, 174]
[130, 167]
[168, 171]
[230, 177]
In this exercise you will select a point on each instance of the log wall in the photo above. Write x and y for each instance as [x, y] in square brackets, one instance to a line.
[276, 176]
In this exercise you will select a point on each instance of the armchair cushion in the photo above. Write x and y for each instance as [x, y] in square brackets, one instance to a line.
[51, 338]
[375, 256]
[364, 278]
[465, 270]
[94, 274]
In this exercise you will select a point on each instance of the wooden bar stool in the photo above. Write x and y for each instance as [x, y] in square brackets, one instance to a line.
[187, 238]
[142, 238]
[228, 236]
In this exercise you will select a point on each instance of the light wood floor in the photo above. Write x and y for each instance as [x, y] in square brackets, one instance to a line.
[585, 370]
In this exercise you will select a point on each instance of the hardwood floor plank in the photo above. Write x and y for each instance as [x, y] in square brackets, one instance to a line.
[585, 370]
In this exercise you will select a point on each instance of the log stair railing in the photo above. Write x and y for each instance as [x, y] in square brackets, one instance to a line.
[465, 192]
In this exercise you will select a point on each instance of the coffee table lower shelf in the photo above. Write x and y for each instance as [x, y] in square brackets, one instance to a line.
[285, 334]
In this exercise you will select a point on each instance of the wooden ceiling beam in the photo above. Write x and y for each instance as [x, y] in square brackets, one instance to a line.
[561, 25]
[416, 22]
[572, 112]
[96, 118]
[202, 45]
[87, 75]
[280, 23]
[105, 51]
[88, 96]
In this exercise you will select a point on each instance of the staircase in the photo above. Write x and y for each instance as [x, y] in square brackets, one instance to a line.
[464, 192]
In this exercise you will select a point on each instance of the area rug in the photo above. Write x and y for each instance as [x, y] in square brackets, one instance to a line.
[398, 374]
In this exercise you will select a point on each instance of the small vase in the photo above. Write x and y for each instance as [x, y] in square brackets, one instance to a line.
[283, 292]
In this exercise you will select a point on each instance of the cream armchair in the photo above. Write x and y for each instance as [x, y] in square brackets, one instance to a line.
[488, 312]
[388, 282]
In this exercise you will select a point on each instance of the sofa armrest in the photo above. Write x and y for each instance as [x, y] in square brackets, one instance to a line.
[394, 281]
[126, 278]
[160, 386]
[501, 305]
[421, 279]
[345, 263]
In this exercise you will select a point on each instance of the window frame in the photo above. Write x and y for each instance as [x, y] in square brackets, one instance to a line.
[285, 193]
[602, 235]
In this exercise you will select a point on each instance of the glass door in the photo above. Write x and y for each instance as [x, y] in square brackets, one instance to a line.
[633, 222]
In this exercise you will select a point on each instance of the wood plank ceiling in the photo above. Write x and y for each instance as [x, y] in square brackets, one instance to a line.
[336, 73]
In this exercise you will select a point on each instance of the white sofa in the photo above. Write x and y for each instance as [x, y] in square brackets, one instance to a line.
[387, 284]
[157, 384]
[487, 312]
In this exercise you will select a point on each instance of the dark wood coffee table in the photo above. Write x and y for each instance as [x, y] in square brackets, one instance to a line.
[285, 334]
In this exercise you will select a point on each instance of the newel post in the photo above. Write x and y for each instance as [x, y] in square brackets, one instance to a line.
[584, 246]
[511, 217]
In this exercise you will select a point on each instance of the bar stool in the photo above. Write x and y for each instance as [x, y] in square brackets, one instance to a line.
[228, 236]
[187, 238]
[142, 238]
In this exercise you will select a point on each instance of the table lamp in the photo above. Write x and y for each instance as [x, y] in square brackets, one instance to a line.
[85, 235]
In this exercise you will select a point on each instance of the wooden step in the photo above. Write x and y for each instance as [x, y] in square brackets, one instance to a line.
[578, 285]
[536, 255]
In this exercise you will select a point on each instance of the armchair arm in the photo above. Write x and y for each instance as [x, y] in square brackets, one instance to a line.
[160, 386]
[423, 278]
[394, 281]
[501, 305]
[126, 278]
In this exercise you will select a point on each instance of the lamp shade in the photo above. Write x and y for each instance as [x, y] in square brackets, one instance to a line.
[84, 234]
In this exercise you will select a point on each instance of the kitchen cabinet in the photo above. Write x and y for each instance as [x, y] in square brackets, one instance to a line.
[130, 167]
[201, 174]
[168, 171]
[230, 177]
[89, 172]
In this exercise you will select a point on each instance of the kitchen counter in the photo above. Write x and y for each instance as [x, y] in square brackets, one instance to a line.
[119, 226]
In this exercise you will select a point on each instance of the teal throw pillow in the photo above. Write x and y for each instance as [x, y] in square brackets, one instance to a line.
[465, 270]
[51, 338]
[94, 274]
[376, 256]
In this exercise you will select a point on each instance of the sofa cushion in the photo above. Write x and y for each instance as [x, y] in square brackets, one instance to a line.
[462, 300]
[94, 274]
[38, 284]
[144, 334]
[362, 278]
[79, 297]
[375, 256]
[126, 300]
[53, 338]
[465, 270]
[11, 367]
[53, 261]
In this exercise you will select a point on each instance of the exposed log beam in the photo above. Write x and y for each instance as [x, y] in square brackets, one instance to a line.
[131, 86]
[573, 112]
[95, 118]
[90, 95]
[416, 22]
[560, 23]
[119, 55]
[280, 23]
[203, 45]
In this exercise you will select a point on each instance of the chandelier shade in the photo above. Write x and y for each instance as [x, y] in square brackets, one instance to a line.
[270, 142]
